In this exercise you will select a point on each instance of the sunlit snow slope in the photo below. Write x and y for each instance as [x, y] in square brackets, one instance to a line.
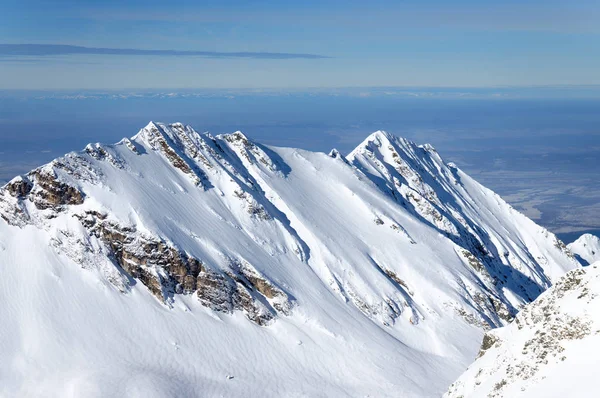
[551, 349]
[176, 263]
[586, 248]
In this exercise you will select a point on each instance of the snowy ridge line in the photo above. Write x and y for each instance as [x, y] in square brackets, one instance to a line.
[414, 175]
[386, 250]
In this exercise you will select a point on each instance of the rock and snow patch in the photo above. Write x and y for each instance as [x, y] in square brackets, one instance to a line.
[547, 351]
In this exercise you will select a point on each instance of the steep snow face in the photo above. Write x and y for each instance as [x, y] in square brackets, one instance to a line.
[586, 248]
[512, 254]
[551, 349]
[212, 263]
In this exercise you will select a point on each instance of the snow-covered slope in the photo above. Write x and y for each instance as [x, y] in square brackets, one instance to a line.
[178, 263]
[586, 248]
[551, 349]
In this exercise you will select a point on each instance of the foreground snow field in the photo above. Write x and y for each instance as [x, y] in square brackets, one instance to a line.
[550, 350]
[182, 264]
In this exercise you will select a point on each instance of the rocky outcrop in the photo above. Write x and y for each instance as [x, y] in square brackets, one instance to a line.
[227, 292]
[488, 342]
[249, 151]
[253, 208]
[50, 193]
[243, 288]
[99, 152]
[159, 141]
[41, 187]
[167, 271]
[19, 187]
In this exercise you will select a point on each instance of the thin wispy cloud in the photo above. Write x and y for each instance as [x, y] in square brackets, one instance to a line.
[44, 50]
[401, 17]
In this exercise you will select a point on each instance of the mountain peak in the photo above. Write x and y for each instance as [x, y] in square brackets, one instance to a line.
[383, 142]
[586, 248]
[379, 138]
[154, 130]
[236, 137]
[588, 238]
[380, 134]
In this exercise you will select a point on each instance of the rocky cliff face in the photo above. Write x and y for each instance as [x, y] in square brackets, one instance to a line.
[158, 265]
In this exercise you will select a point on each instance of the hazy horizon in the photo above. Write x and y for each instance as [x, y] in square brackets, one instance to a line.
[539, 154]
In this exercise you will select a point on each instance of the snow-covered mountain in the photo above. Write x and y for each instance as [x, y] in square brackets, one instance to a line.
[586, 249]
[178, 263]
[551, 349]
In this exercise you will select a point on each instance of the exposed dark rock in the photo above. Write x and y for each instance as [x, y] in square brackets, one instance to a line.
[19, 187]
[158, 141]
[559, 244]
[98, 152]
[501, 309]
[49, 192]
[488, 341]
[254, 208]
[392, 275]
[175, 159]
[159, 266]
[263, 286]
[166, 271]
[220, 292]
[215, 291]
[240, 138]
[472, 319]
[131, 146]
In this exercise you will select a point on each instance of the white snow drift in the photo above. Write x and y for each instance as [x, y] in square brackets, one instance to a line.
[178, 263]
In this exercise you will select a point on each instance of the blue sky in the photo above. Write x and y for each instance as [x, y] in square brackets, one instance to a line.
[378, 43]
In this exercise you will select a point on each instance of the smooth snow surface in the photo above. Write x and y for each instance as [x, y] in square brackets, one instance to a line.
[586, 248]
[552, 349]
[374, 274]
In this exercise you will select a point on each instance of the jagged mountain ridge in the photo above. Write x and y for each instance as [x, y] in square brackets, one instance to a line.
[549, 350]
[389, 235]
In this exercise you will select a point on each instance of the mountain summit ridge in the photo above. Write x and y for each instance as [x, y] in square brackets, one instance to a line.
[196, 232]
